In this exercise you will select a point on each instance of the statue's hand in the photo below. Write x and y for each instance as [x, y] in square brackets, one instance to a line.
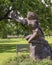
[29, 41]
[28, 36]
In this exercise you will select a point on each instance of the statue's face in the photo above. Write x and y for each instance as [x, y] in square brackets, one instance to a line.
[31, 15]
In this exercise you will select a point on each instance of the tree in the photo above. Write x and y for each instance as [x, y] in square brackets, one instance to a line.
[23, 6]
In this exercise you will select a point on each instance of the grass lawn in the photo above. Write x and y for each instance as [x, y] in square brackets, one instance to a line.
[8, 47]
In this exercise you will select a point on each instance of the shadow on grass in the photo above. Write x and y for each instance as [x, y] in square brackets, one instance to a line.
[11, 48]
[8, 41]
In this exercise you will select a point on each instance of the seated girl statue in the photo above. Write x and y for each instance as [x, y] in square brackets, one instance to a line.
[37, 36]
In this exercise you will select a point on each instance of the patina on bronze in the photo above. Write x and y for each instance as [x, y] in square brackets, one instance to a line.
[39, 47]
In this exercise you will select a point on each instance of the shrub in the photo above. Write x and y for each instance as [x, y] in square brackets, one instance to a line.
[25, 60]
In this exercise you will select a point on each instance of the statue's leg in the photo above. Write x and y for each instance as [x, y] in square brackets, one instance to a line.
[45, 43]
[32, 51]
[51, 56]
[47, 49]
[44, 48]
[36, 51]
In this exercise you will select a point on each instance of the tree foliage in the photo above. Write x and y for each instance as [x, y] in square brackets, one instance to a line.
[23, 6]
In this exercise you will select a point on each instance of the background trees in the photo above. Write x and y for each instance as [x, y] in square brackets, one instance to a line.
[23, 6]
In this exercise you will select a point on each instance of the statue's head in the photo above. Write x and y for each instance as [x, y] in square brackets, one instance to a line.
[31, 16]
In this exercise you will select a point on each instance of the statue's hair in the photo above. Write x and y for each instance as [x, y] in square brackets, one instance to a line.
[32, 15]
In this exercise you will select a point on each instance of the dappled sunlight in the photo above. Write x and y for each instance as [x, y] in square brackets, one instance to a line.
[5, 56]
[13, 41]
[8, 47]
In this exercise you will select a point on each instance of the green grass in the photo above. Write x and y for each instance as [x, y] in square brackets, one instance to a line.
[49, 39]
[25, 60]
[8, 47]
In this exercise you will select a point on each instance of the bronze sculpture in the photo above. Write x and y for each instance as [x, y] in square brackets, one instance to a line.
[39, 47]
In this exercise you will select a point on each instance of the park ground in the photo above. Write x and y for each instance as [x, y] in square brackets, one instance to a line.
[8, 47]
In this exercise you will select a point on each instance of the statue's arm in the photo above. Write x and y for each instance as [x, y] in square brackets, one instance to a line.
[22, 21]
[18, 19]
[28, 36]
[33, 36]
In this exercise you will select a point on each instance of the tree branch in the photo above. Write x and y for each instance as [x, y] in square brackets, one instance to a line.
[6, 15]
